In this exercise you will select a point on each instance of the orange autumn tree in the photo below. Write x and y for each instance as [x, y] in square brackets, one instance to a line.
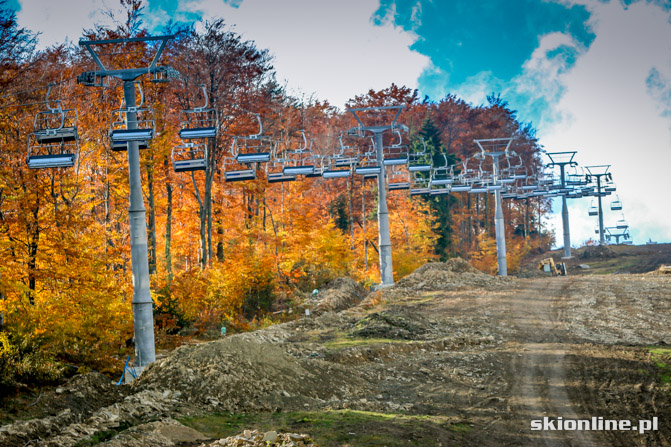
[220, 253]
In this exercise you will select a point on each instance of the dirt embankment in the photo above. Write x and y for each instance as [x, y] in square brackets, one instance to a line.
[448, 356]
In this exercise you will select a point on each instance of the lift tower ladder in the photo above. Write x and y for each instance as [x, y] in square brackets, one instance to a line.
[142, 303]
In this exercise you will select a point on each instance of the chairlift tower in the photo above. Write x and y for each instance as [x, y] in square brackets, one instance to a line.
[618, 232]
[385, 119]
[599, 172]
[499, 224]
[563, 159]
[142, 302]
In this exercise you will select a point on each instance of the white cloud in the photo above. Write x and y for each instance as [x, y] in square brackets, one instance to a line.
[612, 117]
[330, 48]
[62, 19]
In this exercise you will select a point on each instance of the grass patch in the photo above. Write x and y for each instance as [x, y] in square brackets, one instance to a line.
[349, 342]
[662, 358]
[102, 436]
[338, 428]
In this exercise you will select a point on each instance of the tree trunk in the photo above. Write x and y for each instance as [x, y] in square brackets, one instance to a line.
[151, 221]
[168, 232]
[34, 237]
[210, 169]
[351, 213]
[202, 214]
[526, 219]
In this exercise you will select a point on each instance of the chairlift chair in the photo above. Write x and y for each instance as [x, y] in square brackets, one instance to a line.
[331, 169]
[121, 135]
[616, 205]
[442, 176]
[368, 166]
[593, 209]
[345, 157]
[419, 184]
[596, 229]
[417, 161]
[622, 224]
[54, 142]
[198, 123]
[275, 166]
[609, 187]
[189, 157]
[253, 148]
[399, 179]
[299, 161]
[236, 172]
[397, 153]
[512, 171]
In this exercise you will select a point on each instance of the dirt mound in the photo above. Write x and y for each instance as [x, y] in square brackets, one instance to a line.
[388, 326]
[269, 439]
[165, 433]
[662, 270]
[246, 372]
[454, 274]
[339, 294]
[597, 251]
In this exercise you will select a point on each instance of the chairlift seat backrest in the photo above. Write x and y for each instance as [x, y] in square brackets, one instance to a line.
[368, 170]
[198, 132]
[419, 168]
[395, 186]
[51, 161]
[437, 192]
[240, 175]
[197, 164]
[50, 136]
[120, 146]
[336, 173]
[125, 135]
[298, 170]
[420, 191]
[441, 181]
[253, 157]
[395, 161]
[345, 161]
[279, 177]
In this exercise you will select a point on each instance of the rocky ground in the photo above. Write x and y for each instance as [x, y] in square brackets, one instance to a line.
[448, 356]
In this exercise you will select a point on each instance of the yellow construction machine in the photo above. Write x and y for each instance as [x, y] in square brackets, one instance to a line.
[548, 265]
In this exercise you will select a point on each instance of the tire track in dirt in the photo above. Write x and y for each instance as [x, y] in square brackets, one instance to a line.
[537, 375]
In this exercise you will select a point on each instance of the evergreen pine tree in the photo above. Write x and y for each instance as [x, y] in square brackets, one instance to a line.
[440, 204]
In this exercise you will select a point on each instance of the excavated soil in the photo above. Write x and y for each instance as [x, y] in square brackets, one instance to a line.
[448, 356]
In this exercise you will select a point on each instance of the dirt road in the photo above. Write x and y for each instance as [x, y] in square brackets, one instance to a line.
[538, 376]
[448, 357]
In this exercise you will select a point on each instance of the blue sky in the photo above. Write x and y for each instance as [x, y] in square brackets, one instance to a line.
[592, 75]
